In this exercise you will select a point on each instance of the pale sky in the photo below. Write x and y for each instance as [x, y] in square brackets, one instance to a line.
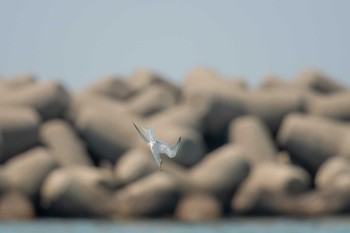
[78, 41]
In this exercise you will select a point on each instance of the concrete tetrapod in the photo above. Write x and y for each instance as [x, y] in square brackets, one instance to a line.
[328, 174]
[19, 130]
[17, 81]
[27, 171]
[182, 115]
[205, 91]
[271, 106]
[142, 79]
[111, 86]
[107, 130]
[198, 207]
[325, 202]
[150, 101]
[64, 144]
[49, 99]
[269, 177]
[221, 172]
[311, 140]
[154, 195]
[15, 206]
[318, 81]
[250, 133]
[78, 192]
[133, 165]
[335, 106]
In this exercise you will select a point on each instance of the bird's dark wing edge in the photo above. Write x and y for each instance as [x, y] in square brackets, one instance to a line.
[142, 136]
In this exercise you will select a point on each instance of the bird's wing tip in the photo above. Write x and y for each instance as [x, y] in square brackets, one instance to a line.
[143, 136]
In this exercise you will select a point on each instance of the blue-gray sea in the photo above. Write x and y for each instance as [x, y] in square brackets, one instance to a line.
[164, 226]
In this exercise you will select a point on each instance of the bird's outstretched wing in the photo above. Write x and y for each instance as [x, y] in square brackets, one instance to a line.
[171, 151]
[142, 136]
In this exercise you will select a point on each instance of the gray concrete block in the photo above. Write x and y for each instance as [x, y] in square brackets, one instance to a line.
[198, 207]
[220, 172]
[311, 140]
[111, 86]
[251, 134]
[150, 101]
[270, 178]
[27, 171]
[49, 99]
[271, 106]
[15, 206]
[318, 81]
[19, 130]
[328, 174]
[78, 192]
[107, 129]
[64, 144]
[141, 79]
[154, 195]
[335, 106]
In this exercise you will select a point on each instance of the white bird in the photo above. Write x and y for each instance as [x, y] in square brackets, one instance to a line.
[158, 147]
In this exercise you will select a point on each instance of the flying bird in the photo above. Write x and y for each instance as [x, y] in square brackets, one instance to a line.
[158, 147]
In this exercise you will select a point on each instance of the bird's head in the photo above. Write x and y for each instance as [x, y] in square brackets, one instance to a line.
[152, 144]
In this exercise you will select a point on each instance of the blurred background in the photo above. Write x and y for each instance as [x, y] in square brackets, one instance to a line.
[257, 90]
[78, 41]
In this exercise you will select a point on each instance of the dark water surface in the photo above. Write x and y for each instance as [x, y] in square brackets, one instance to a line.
[339, 225]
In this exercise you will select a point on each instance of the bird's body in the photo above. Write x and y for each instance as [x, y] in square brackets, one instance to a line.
[158, 147]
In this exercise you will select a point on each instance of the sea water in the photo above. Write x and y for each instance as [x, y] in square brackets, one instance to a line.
[164, 226]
